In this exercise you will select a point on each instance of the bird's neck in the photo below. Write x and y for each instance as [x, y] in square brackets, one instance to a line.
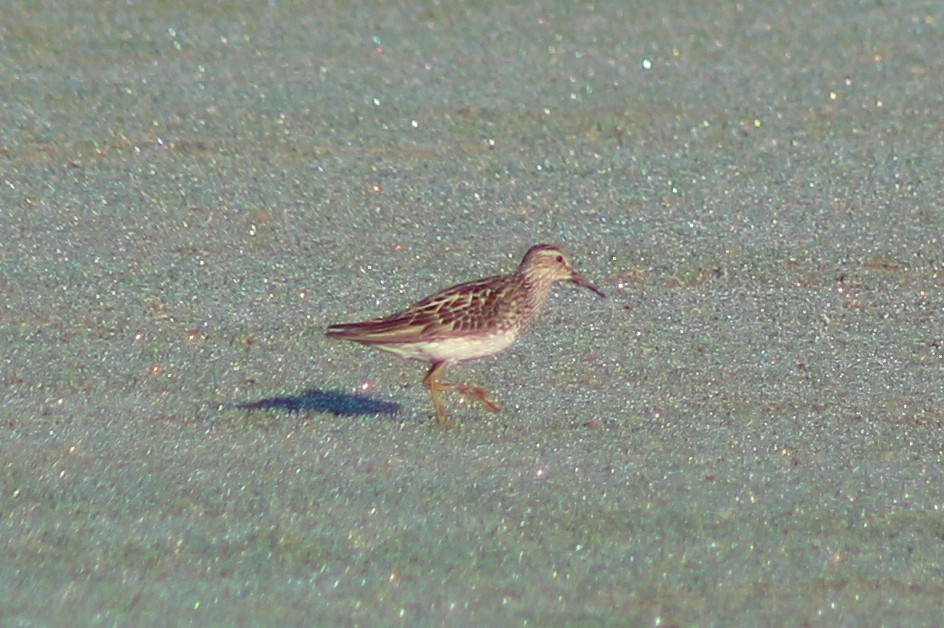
[538, 291]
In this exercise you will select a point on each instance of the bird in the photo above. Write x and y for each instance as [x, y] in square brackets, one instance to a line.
[468, 321]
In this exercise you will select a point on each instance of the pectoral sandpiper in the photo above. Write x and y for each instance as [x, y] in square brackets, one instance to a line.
[468, 321]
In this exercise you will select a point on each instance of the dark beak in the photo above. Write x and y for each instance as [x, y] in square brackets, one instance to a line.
[583, 283]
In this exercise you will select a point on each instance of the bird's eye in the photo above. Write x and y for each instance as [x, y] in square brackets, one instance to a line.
[560, 259]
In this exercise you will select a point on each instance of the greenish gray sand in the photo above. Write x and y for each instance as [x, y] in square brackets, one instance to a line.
[749, 431]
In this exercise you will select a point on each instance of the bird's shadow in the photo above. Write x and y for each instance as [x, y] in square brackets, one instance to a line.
[328, 401]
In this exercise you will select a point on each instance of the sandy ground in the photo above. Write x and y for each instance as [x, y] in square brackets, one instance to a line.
[750, 430]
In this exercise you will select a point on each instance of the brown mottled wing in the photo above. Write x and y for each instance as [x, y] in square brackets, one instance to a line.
[465, 309]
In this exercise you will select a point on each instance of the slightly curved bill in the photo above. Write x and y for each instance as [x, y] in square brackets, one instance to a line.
[583, 283]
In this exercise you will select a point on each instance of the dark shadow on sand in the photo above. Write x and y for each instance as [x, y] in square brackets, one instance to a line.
[314, 400]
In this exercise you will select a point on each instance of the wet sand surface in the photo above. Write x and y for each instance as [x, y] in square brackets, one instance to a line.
[749, 430]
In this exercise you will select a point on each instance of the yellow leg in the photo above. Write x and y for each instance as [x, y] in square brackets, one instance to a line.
[431, 381]
[475, 393]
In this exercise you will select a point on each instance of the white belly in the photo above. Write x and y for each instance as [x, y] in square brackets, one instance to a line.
[454, 349]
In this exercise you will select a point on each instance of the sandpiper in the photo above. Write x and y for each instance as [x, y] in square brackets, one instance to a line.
[467, 321]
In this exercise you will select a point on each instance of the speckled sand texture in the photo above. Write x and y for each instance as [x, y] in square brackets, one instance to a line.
[749, 431]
